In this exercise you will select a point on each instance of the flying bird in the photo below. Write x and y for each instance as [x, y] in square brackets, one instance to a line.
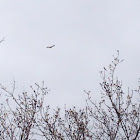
[50, 46]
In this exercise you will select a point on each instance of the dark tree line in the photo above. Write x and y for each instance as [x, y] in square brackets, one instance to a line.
[115, 117]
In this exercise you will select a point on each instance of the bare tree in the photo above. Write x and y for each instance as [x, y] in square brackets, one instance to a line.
[18, 123]
[115, 117]
[73, 126]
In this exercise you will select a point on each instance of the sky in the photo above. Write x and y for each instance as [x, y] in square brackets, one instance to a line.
[86, 34]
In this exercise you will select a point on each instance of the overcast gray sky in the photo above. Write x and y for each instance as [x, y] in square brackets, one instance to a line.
[86, 34]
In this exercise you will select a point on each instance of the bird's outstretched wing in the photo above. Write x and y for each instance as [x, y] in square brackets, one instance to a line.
[50, 46]
[2, 40]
